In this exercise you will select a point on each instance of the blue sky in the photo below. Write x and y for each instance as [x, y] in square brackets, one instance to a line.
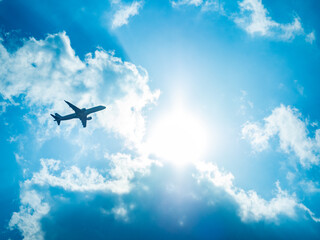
[211, 129]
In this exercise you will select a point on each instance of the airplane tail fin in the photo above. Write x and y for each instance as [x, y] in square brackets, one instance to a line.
[56, 117]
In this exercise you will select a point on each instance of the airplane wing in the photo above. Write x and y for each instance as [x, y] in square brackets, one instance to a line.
[74, 108]
[84, 121]
[95, 109]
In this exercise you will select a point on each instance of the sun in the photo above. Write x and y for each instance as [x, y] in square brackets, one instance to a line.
[179, 137]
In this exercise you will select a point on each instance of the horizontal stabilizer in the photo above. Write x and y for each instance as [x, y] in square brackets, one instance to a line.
[56, 117]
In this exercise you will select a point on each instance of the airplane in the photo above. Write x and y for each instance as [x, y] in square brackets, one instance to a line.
[82, 114]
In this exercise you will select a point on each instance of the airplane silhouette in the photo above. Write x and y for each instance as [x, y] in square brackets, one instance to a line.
[82, 114]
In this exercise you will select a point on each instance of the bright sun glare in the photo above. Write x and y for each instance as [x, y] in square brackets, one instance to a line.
[179, 137]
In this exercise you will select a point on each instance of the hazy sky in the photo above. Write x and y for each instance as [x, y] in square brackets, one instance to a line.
[211, 127]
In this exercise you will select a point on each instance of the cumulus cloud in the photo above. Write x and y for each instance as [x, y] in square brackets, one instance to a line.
[45, 72]
[124, 12]
[33, 206]
[291, 129]
[252, 207]
[254, 19]
[123, 169]
[27, 220]
[41, 74]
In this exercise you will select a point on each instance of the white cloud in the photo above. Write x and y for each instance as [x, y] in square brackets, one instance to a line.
[18, 158]
[299, 87]
[258, 138]
[48, 71]
[31, 211]
[33, 208]
[287, 124]
[186, 2]
[310, 186]
[124, 166]
[214, 6]
[13, 139]
[290, 177]
[311, 37]
[42, 73]
[3, 105]
[205, 5]
[120, 213]
[123, 169]
[254, 19]
[245, 104]
[312, 215]
[251, 206]
[124, 12]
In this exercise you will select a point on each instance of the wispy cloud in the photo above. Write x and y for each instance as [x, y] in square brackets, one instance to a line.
[252, 207]
[120, 213]
[255, 20]
[124, 12]
[214, 6]
[186, 2]
[310, 186]
[311, 37]
[205, 5]
[245, 103]
[288, 125]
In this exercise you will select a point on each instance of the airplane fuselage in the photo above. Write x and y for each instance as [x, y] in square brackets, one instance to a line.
[82, 114]
[70, 116]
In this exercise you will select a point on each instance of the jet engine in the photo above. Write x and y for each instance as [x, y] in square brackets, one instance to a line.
[89, 118]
